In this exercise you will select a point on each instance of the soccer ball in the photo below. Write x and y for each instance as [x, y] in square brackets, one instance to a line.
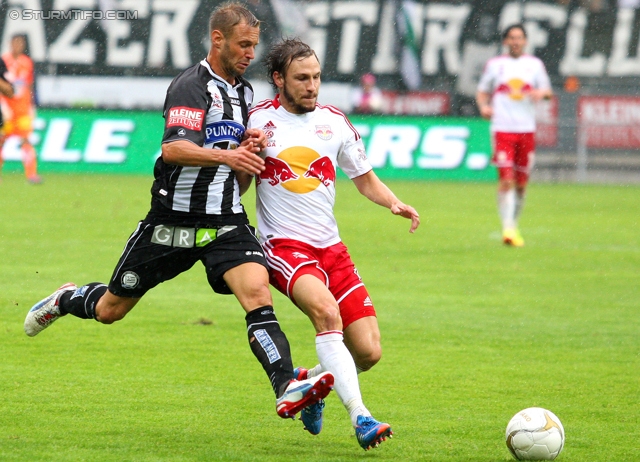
[535, 434]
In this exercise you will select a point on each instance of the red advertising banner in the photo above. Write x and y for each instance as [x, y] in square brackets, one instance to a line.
[547, 123]
[415, 103]
[610, 121]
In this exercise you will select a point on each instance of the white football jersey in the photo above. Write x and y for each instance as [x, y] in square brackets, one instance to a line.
[509, 79]
[296, 193]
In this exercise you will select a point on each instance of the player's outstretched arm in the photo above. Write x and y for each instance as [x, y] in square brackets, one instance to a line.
[242, 159]
[376, 191]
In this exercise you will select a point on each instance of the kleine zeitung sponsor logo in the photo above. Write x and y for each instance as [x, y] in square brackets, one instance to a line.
[186, 117]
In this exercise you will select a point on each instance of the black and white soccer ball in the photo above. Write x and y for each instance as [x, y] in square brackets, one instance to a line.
[535, 434]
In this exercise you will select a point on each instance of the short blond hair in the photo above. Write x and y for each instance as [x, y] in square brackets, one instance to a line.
[228, 15]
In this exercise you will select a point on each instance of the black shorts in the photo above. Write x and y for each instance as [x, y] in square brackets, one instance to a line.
[157, 253]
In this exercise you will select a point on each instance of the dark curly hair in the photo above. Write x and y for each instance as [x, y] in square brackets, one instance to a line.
[282, 54]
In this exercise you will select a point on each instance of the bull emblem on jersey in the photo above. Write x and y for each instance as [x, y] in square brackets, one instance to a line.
[276, 171]
[322, 169]
[324, 132]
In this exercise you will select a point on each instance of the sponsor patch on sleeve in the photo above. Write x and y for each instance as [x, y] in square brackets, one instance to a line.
[186, 117]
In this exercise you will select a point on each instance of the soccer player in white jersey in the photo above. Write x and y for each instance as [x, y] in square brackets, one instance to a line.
[510, 86]
[308, 262]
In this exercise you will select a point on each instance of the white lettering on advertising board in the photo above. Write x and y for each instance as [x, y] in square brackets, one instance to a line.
[106, 143]
[438, 147]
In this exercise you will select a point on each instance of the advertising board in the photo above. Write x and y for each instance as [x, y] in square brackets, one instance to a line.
[99, 141]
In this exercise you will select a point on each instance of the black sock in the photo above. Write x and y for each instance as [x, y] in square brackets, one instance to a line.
[270, 346]
[82, 302]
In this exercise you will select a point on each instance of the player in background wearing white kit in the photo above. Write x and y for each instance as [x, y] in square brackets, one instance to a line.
[295, 199]
[510, 86]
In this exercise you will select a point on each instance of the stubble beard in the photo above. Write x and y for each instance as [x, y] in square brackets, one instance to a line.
[227, 65]
[297, 107]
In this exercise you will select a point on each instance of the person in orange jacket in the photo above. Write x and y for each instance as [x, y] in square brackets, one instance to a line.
[19, 108]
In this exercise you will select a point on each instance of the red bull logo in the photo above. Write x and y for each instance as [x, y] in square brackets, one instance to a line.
[322, 169]
[299, 170]
[515, 88]
[276, 171]
[324, 132]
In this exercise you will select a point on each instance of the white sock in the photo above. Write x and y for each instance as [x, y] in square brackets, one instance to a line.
[335, 357]
[317, 370]
[519, 205]
[507, 208]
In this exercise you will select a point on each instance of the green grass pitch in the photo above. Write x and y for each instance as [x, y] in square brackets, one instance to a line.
[472, 332]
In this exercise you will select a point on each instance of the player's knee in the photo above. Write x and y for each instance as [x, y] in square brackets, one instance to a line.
[326, 317]
[367, 359]
[506, 184]
[331, 315]
[256, 295]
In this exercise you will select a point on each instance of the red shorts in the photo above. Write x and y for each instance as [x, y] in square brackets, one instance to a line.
[514, 155]
[289, 259]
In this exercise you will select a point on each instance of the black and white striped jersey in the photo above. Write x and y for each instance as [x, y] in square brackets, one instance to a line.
[204, 109]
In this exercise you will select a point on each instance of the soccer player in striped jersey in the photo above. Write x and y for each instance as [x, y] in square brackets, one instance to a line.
[196, 214]
[306, 142]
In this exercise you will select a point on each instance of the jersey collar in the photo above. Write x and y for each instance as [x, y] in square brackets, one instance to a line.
[276, 101]
[299, 117]
[228, 86]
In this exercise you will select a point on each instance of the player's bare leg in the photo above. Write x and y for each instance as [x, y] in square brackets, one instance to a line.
[111, 308]
[250, 284]
[363, 342]
[362, 338]
[314, 298]
[30, 162]
[91, 301]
